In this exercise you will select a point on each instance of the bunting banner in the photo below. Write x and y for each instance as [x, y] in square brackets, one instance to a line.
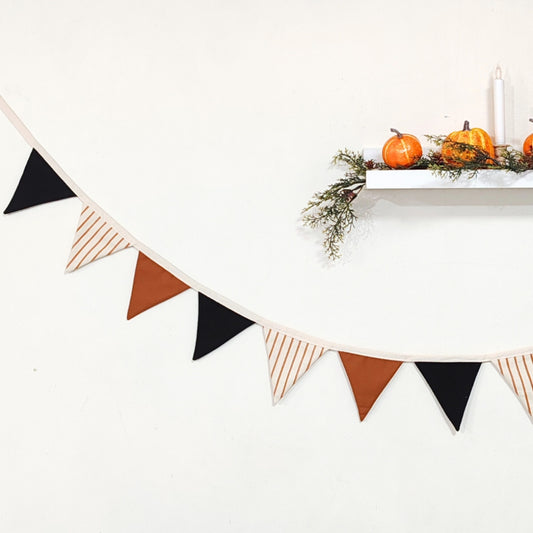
[290, 354]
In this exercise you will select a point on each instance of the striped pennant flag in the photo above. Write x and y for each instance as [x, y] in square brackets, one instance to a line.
[288, 359]
[95, 238]
[518, 373]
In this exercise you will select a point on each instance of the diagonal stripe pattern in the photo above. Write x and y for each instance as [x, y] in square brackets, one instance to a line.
[288, 359]
[95, 238]
[518, 373]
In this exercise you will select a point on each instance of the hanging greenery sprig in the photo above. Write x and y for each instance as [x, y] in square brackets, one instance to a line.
[332, 211]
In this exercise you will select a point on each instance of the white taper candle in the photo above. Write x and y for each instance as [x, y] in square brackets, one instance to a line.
[499, 108]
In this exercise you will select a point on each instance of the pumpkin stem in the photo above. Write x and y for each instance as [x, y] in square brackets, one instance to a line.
[400, 135]
[466, 126]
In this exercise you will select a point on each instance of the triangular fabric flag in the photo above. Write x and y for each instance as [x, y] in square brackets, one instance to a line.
[288, 360]
[152, 284]
[39, 184]
[95, 238]
[451, 384]
[216, 325]
[518, 373]
[368, 377]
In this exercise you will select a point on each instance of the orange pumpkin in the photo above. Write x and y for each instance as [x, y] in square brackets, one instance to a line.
[402, 150]
[456, 156]
[528, 143]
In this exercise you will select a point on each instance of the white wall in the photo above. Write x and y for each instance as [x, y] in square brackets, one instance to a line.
[204, 129]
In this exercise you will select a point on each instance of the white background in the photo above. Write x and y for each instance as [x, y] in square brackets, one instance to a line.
[204, 129]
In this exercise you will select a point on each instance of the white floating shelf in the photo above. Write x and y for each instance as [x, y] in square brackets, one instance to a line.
[426, 179]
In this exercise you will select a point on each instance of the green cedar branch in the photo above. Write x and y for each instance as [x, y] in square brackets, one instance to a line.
[331, 210]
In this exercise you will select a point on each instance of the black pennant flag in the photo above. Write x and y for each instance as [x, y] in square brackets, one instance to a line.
[216, 325]
[451, 384]
[38, 185]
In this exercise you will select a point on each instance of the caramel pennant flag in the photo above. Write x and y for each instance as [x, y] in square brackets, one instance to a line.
[95, 238]
[451, 383]
[152, 285]
[518, 373]
[39, 184]
[368, 377]
[288, 359]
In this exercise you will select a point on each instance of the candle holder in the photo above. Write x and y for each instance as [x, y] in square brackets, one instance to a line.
[499, 149]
